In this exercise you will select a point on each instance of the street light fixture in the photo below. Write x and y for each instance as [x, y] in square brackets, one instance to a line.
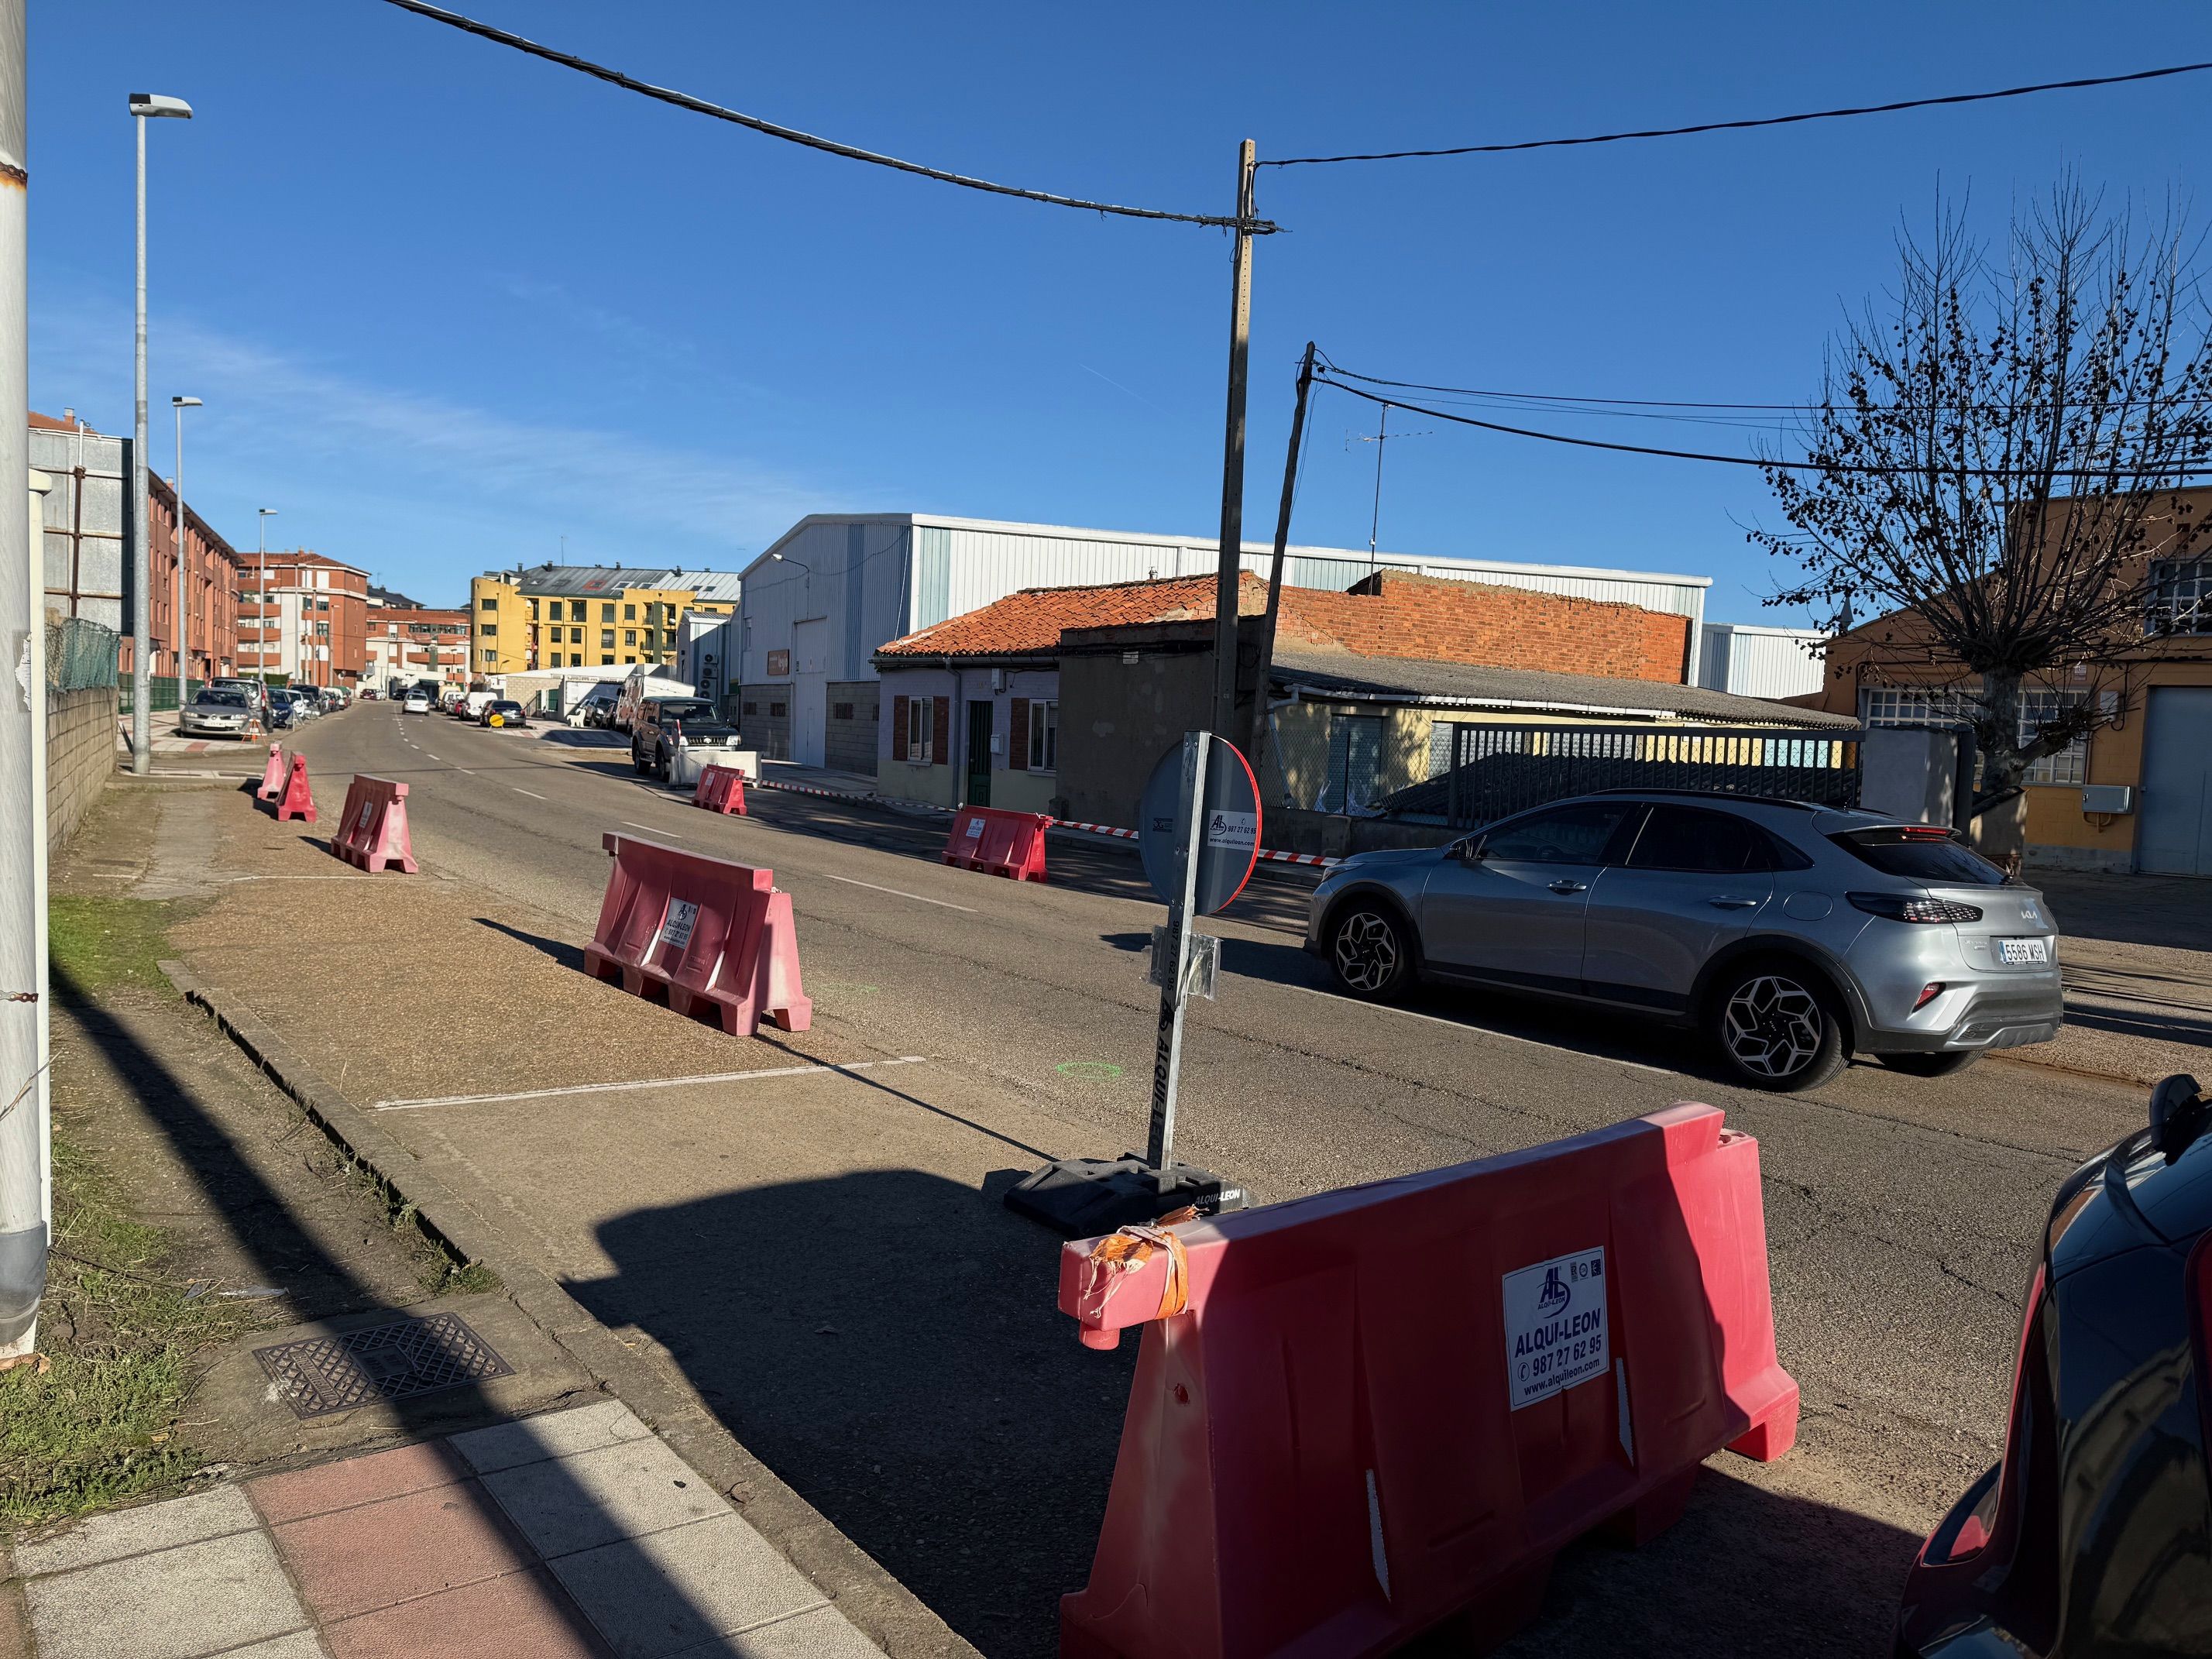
[183, 593]
[144, 107]
[261, 602]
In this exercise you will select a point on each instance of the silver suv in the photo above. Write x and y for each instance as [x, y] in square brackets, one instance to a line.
[1792, 935]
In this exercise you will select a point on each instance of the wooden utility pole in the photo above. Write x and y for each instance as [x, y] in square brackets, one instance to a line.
[1232, 459]
[1275, 569]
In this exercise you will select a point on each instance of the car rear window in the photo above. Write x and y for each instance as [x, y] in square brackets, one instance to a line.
[1921, 853]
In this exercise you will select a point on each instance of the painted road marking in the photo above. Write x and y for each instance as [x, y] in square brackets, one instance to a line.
[820, 1068]
[896, 892]
[471, 770]
[519, 790]
[632, 824]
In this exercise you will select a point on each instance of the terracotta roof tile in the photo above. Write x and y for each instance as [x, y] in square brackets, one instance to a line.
[1031, 620]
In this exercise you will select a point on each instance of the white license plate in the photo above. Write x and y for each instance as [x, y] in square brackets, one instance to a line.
[2023, 951]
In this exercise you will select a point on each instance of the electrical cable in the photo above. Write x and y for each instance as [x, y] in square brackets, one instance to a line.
[1741, 124]
[2091, 472]
[811, 141]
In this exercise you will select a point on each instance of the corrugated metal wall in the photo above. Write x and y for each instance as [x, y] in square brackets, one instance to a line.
[1760, 662]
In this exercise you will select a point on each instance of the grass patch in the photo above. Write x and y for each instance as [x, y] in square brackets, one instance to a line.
[102, 1425]
[98, 944]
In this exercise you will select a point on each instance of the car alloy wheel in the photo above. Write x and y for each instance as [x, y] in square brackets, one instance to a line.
[1366, 952]
[1773, 1026]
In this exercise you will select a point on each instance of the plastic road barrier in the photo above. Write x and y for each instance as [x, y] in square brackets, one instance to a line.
[716, 939]
[1365, 1413]
[373, 834]
[998, 843]
[721, 789]
[272, 775]
[296, 802]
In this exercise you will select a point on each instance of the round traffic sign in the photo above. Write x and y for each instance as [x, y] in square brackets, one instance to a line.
[1229, 843]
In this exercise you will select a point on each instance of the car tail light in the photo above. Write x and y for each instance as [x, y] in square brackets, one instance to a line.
[1928, 995]
[1898, 908]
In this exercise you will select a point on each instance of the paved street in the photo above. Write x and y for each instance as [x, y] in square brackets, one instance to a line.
[811, 1248]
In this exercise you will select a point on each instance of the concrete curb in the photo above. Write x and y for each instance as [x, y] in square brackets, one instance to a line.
[883, 1610]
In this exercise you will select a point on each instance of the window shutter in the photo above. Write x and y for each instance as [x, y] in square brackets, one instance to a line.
[898, 728]
[1017, 741]
[940, 732]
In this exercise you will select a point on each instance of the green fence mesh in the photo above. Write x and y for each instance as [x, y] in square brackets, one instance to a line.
[80, 655]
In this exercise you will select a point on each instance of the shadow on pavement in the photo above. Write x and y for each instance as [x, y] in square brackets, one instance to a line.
[265, 1231]
[2173, 912]
[888, 1342]
[568, 956]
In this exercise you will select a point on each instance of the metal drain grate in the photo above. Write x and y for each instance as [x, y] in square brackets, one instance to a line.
[398, 1361]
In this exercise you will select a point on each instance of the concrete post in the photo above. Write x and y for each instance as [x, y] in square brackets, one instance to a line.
[23, 1172]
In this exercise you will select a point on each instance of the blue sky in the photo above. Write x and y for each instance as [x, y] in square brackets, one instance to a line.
[448, 305]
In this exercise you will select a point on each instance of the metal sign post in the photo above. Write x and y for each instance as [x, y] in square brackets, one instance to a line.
[1198, 832]
[1171, 953]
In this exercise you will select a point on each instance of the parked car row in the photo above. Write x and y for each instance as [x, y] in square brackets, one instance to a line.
[228, 708]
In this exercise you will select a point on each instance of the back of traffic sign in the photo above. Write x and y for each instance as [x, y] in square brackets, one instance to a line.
[1230, 845]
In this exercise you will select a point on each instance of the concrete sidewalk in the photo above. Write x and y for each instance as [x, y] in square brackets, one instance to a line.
[571, 1534]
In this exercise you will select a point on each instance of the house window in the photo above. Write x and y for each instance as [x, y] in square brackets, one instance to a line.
[2180, 597]
[487, 605]
[606, 662]
[651, 639]
[752, 708]
[489, 630]
[1914, 706]
[1044, 735]
[556, 660]
[775, 711]
[629, 613]
[629, 659]
[629, 636]
[606, 613]
[920, 727]
[607, 639]
[842, 711]
[576, 611]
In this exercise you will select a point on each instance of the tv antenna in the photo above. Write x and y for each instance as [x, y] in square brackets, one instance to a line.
[1382, 435]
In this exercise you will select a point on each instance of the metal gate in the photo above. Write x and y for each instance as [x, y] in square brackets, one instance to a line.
[2174, 833]
[1494, 770]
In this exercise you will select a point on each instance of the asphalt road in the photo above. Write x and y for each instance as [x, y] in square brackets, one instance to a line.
[1901, 1213]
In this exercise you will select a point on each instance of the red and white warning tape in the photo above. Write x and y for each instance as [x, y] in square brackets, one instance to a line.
[1316, 859]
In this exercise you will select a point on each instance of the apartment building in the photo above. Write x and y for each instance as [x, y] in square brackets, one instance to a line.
[303, 618]
[551, 615]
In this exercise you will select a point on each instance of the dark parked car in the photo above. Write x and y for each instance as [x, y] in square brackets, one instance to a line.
[2091, 1537]
[665, 724]
[503, 711]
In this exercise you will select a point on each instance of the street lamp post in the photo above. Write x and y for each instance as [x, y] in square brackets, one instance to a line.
[144, 107]
[183, 593]
[261, 601]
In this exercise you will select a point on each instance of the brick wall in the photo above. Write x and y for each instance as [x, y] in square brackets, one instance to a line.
[764, 718]
[850, 743]
[1437, 618]
[80, 756]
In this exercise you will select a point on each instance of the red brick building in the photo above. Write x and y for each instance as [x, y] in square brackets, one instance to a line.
[302, 617]
[408, 645]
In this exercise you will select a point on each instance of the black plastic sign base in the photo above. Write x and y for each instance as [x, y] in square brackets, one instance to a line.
[1081, 1197]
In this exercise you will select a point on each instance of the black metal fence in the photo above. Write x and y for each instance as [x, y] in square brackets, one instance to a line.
[1492, 771]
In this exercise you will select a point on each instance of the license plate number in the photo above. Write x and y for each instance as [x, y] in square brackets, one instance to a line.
[2023, 951]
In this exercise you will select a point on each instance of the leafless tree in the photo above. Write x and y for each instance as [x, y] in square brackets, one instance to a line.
[1997, 457]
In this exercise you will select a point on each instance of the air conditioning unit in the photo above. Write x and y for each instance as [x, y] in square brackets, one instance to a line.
[998, 680]
[2117, 798]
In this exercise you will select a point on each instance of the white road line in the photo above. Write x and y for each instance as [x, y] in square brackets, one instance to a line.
[1473, 1031]
[820, 1068]
[471, 770]
[896, 892]
[632, 824]
[519, 790]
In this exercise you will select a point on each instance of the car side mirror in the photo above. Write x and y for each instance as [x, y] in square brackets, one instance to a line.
[1468, 851]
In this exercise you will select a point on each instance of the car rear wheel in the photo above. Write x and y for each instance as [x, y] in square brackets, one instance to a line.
[1370, 953]
[1932, 1065]
[1776, 1028]
[637, 760]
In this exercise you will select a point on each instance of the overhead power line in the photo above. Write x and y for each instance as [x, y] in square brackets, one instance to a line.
[1740, 125]
[812, 141]
[1323, 377]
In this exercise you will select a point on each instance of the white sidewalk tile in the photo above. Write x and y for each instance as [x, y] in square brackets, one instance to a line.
[825, 1633]
[570, 1503]
[110, 1537]
[669, 1592]
[551, 1434]
[181, 1603]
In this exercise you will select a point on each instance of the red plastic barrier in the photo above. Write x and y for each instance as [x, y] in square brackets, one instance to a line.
[374, 832]
[1392, 1405]
[721, 789]
[272, 775]
[296, 802]
[998, 843]
[713, 937]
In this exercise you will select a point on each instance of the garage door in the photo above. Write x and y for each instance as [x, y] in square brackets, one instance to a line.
[2176, 830]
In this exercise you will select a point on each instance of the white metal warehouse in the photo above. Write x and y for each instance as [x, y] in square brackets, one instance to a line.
[834, 587]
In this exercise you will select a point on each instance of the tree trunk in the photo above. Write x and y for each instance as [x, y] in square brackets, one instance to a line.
[2000, 826]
